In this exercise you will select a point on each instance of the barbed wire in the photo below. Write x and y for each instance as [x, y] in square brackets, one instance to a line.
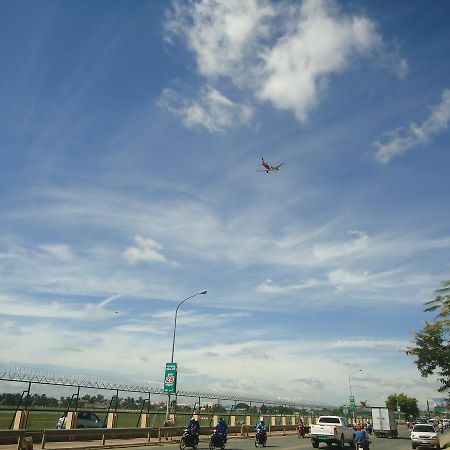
[61, 378]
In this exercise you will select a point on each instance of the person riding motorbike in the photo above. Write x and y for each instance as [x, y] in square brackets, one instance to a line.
[361, 438]
[193, 427]
[261, 425]
[221, 428]
[301, 428]
[261, 434]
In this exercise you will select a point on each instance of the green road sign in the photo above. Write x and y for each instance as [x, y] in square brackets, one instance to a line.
[352, 402]
[170, 378]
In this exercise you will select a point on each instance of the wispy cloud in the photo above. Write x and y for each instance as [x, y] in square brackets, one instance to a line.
[145, 250]
[211, 110]
[404, 139]
[58, 251]
[371, 344]
[269, 287]
[18, 306]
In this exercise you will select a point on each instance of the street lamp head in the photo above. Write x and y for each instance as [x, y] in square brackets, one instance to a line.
[203, 292]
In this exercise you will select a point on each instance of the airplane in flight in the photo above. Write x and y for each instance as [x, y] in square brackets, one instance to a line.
[268, 168]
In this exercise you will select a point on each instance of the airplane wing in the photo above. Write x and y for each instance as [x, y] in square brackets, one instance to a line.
[279, 165]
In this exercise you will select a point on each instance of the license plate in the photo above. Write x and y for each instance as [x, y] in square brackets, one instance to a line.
[323, 438]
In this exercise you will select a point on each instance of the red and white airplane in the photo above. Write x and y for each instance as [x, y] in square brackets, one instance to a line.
[268, 168]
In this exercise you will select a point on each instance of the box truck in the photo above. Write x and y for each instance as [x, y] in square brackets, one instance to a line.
[384, 424]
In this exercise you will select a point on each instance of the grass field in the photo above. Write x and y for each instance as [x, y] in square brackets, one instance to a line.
[41, 420]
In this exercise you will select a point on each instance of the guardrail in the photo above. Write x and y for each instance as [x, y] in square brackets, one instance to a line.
[108, 434]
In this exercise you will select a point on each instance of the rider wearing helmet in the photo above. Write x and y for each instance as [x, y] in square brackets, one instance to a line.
[194, 426]
[222, 428]
[261, 425]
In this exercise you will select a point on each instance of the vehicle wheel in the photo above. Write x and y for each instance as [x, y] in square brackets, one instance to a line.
[341, 443]
[438, 447]
[314, 443]
[413, 445]
[256, 442]
[182, 444]
[353, 443]
[195, 446]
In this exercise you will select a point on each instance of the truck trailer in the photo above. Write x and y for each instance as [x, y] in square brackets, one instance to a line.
[384, 424]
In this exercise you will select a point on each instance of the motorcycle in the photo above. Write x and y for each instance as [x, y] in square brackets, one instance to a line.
[301, 429]
[188, 439]
[260, 438]
[362, 446]
[218, 440]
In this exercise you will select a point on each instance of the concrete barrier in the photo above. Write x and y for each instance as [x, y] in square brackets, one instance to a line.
[109, 434]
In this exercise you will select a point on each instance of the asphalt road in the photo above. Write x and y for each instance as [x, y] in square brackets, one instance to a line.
[294, 443]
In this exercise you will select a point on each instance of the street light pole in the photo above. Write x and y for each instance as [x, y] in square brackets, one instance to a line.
[173, 339]
[351, 393]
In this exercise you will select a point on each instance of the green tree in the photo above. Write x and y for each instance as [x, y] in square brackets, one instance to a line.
[218, 408]
[408, 405]
[432, 344]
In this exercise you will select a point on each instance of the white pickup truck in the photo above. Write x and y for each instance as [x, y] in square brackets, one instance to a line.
[332, 430]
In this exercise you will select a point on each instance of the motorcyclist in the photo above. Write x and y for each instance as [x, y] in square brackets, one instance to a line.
[221, 428]
[261, 431]
[361, 438]
[193, 427]
[301, 428]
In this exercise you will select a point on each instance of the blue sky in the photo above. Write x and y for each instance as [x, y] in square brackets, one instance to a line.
[130, 139]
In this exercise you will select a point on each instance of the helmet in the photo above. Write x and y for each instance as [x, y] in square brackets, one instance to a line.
[358, 426]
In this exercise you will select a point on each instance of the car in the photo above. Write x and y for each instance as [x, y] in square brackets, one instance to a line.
[424, 435]
[86, 419]
[446, 422]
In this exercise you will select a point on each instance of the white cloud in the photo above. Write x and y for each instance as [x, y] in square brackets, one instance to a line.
[322, 41]
[354, 247]
[58, 251]
[23, 307]
[221, 34]
[402, 140]
[145, 250]
[282, 54]
[269, 287]
[371, 344]
[212, 110]
[341, 278]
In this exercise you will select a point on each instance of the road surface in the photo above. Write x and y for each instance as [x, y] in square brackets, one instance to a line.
[294, 443]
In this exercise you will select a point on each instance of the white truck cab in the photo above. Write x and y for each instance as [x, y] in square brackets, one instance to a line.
[332, 430]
